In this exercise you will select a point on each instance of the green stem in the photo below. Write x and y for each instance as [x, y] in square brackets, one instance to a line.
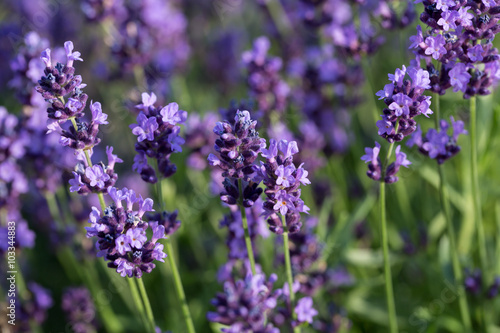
[289, 276]
[147, 305]
[391, 307]
[248, 241]
[457, 269]
[179, 288]
[175, 272]
[476, 195]
[137, 300]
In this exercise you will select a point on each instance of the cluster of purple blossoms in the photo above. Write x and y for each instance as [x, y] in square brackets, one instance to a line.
[375, 166]
[96, 178]
[282, 180]
[264, 81]
[157, 137]
[460, 39]
[238, 146]
[80, 310]
[473, 283]
[244, 304]
[59, 83]
[121, 234]
[438, 144]
[405, 100]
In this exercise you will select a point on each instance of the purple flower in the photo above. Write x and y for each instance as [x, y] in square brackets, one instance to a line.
[447, 20]
[464, 16]
[458, 128]
[443, 5]
[112, 159]
[386, 92]
[123, 244]
[435, 46]
[98, 117]
[417, 39]
[304, 310]
[301, 175]
[436, 144]
[124, 267]
[145, 128]
[459, 77]
[420, 78]
[172, 115]
[158, 253]
[401, 159]
[272, 152]
[147, 101]
[288, 148]
[284, 175]
[137, 237]
[384, 126]
[283, 202]
[401, 104]
[72, 56]
[371, 154]
[76, 183]
[96, 175]
[475, 53]
[46, 58]
[398, 76]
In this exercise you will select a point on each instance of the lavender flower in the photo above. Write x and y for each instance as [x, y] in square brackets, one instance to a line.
[157, 137]
[80, 309]
[121, 234]
[244, 304]
[282, 180]
[238, 146]
[375, 167]
[405, 100]
[438, 144]
[263, 77]
[460, 38]
[304, 310]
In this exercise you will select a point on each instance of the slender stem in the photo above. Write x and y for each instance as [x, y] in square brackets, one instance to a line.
[248, 241]
[175, 272]
[147, 305]
[289, 275]
[476, 195]
[389, 292]
[179, 288]
[137, 301]
[457, 269]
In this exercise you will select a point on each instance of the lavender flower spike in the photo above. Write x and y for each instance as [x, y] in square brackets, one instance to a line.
[282, 180]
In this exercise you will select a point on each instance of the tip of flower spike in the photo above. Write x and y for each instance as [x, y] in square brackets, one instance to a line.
[46, 57]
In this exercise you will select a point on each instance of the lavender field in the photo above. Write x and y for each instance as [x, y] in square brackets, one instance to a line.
[249, 166]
